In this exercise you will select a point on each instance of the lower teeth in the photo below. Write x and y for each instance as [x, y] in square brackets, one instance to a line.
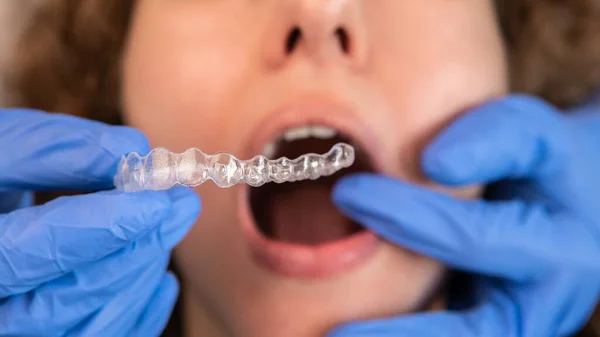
[162, 169]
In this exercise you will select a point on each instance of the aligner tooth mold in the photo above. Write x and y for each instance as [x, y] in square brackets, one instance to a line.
[162, 169]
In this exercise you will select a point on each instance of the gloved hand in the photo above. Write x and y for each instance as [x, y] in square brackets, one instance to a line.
[88, 265]
[536, 243]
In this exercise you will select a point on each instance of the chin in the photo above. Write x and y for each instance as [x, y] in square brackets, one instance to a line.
[281, 260]
[392, 283]
[244, 298]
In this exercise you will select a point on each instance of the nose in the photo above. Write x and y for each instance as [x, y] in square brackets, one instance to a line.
[323, 31]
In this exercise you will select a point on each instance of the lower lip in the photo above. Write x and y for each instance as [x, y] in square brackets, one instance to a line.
[303, 261]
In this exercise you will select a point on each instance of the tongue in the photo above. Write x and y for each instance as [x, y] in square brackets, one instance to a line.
[306, 215]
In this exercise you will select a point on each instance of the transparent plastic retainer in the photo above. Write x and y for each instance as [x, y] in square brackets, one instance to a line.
[162, 169]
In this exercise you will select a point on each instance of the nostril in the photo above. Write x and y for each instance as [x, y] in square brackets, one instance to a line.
[292, 40]
[343, 38]
[295, 35]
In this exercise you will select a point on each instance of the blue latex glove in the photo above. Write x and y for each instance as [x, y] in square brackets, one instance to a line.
[88, 265]
[536, 245]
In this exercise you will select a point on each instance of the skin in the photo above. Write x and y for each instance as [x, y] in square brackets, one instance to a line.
[206, 73]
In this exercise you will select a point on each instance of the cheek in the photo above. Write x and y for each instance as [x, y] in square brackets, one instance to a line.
[173, 89]
[432, 68]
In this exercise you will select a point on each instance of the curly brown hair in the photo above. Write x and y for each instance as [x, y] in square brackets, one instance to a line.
[68, 59]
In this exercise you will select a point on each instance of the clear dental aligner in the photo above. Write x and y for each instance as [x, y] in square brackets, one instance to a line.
[162, 169]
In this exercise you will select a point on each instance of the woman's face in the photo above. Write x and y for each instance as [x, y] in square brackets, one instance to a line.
[235, 75]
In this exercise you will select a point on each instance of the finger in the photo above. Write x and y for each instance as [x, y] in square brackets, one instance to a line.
[186, 209]
[67, 301]
[39, 244]
[120, 315]
[514, 137]
[42, 151]
[490, 238]
[68, 306]
[497, 317]
[156, 315]
[561, 304]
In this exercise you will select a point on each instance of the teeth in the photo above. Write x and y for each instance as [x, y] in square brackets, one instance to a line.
[303, 132]
[269, 150]
[299, 133]
[323, 132]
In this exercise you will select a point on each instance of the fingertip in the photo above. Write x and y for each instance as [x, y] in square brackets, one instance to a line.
[170, 286]
[357, 196]
[456, 155]
[185, 211]
[138, 212]
[344, 187]
[156, 205]
[364, 186]
[446, 164]
[182, 194]
[491, 141]
[186, 204]
[364, 182]
[349, 187]
[150, 198]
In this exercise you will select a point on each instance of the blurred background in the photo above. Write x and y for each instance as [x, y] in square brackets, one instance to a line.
[14, 14]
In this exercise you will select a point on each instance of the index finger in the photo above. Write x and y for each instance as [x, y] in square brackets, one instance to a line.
[43, 151]
[492, 238]
[41, 243]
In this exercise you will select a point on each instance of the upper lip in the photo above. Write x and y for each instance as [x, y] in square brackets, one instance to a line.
[306, 112]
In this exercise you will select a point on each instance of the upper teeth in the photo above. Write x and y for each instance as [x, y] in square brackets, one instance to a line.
[302, 132]
[323, 132]
[316, 131]
[269, 150]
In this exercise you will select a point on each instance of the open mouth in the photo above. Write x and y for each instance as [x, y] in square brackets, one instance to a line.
[303, 212]
[294, 228]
